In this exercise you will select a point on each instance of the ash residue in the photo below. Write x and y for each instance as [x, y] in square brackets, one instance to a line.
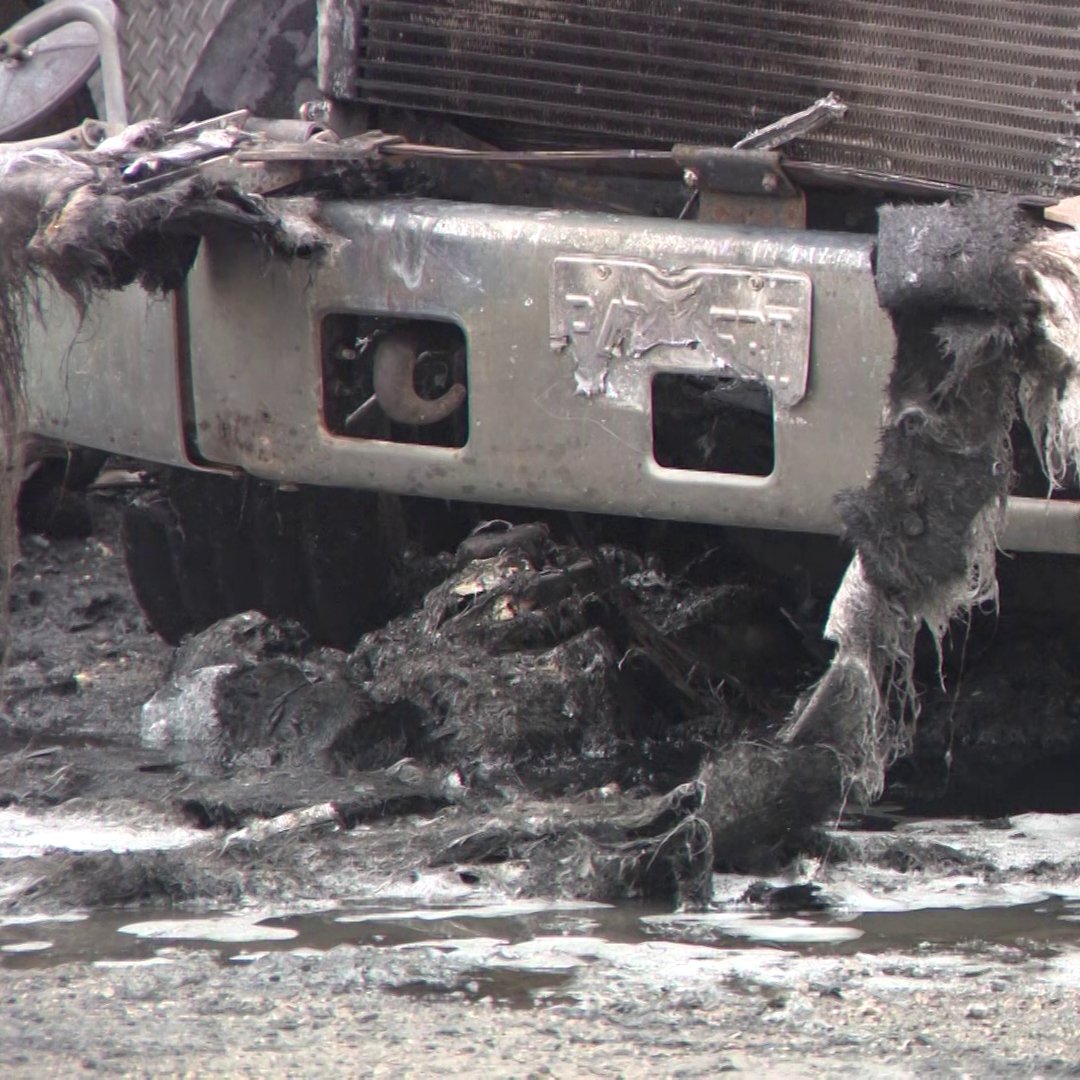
[577, 674]
[551, 717]
[533, 662]
[540, 717]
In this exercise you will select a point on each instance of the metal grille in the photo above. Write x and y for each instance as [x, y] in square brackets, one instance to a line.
[978, 94]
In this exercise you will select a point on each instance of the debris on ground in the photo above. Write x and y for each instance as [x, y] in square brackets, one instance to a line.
[505, 730]
[569, 669]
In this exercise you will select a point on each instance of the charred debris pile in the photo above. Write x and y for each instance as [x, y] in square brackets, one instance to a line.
[617, 724]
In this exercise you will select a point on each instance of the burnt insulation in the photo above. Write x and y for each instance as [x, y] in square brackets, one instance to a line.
[985, 312]
[73, 219]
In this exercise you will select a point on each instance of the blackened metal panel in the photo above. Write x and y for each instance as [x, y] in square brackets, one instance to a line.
[959, 91]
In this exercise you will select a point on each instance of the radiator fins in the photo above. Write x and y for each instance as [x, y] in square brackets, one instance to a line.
[973, 94]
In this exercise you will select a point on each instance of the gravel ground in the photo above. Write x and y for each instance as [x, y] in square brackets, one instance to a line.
[339, 1014]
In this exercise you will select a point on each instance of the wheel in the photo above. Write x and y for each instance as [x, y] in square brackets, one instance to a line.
[201, 548]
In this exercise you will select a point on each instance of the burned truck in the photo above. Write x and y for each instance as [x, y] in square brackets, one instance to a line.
[781, 268]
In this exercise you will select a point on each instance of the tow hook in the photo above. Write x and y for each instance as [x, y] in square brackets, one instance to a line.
[394, 366]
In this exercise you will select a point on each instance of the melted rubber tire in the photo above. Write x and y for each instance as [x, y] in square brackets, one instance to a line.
[147, 533]
[204, 548]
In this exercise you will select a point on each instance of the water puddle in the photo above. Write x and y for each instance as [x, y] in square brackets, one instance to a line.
[516, 989]
[522, 951]
[537, 937]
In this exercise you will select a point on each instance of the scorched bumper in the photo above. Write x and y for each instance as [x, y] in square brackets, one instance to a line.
[567, 320]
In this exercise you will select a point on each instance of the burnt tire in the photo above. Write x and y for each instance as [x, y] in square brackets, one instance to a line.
[202, 548]
[147, 534]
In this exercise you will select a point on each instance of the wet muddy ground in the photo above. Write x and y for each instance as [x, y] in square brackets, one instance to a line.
[162, 915]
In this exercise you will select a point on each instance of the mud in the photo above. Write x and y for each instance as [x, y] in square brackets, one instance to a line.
[587, 677]
[346, 834]
[540, 993]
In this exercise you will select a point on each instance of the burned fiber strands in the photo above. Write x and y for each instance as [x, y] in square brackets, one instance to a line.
[74, 219]
[987, 316]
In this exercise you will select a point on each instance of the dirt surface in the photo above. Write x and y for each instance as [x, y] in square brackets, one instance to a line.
[80, 660]
[350, 1012]
[568, 995]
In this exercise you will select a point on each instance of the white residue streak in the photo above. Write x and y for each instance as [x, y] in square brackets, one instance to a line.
[507, 910]
[31, 920]
[565, 953]
[26, 947]
[888, 891]
[25, 834]
[228, 928]
[743, 924]
[1029, 840]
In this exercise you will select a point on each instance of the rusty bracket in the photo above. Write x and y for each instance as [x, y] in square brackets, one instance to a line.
[741, 187]
[356, 148]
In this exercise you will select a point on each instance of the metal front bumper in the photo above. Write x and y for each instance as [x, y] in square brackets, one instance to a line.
[109, 380]
[559, 401]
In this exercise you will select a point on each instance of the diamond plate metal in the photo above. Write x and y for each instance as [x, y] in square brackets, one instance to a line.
[160, 43]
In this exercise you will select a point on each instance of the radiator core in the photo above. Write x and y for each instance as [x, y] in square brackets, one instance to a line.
[974, 94]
